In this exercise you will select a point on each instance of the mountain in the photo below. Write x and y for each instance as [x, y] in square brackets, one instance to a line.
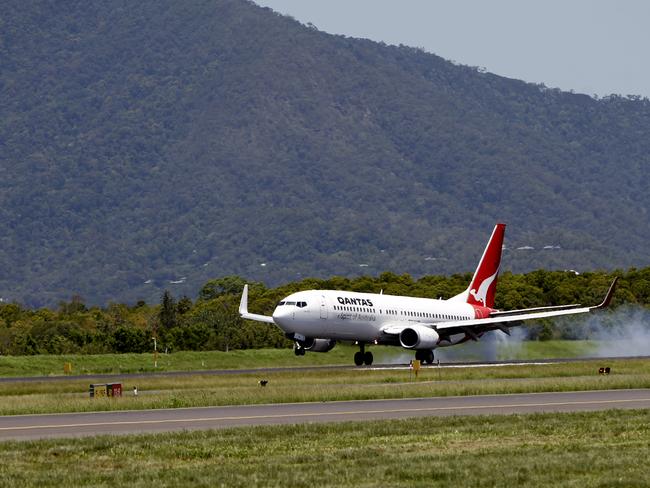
[158, 144]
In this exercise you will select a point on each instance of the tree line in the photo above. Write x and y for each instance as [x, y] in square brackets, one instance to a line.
[212, 322]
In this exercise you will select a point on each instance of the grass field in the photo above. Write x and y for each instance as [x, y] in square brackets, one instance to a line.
[600, 449]
[321, 385]
[582, 449]
[48, 365]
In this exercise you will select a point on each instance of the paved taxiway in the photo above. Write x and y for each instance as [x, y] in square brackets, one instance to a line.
[87, 424]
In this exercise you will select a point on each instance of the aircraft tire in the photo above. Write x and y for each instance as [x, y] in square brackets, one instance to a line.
[428, 357]
[358, 358]
[367, 358]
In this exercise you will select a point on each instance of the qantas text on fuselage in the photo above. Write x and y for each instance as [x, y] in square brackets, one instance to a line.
[316, 319]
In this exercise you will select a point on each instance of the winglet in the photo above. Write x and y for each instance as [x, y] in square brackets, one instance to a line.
[243, 309]
[243, 304]
[608, 298]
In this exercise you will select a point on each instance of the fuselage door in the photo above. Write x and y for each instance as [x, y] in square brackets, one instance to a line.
[323, 307]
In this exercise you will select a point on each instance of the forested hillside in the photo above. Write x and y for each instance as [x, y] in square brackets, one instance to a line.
[159, 144]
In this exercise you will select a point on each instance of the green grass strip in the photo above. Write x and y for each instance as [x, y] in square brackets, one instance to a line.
[89, 364]
[599, 449]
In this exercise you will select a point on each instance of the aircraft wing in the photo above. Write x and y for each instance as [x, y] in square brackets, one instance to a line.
[243, 310]
[503, 319]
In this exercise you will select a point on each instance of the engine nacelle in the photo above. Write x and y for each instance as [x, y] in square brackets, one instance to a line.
[418, 337]
[319, 345]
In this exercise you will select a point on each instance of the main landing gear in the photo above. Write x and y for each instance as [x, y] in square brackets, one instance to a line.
[363, 356]
[298, 349]
[424, 356]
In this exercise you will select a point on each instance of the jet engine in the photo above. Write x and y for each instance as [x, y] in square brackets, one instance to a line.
[319, 345]
[418, 337]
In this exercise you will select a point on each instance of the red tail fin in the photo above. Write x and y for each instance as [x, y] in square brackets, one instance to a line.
[484, 283]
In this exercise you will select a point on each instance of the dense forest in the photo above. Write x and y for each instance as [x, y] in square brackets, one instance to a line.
[153, 145]
[212, 321]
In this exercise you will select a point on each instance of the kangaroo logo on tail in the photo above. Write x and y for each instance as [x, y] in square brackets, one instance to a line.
[482, 288]
[481, 294]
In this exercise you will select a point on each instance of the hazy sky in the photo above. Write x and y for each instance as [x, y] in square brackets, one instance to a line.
[589, 46]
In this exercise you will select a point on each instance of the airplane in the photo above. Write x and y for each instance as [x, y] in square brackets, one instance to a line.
[316, 319]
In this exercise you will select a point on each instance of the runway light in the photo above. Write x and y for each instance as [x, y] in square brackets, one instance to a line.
[263, 382]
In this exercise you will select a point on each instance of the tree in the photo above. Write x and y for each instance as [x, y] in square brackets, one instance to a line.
[167, 314]
[184, 305]
[75, 305]
[228, 285]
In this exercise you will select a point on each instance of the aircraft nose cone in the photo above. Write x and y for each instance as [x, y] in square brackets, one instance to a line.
[281, 314]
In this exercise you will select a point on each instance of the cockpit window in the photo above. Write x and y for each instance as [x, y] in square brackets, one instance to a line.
[280, 304]
[289, 303]
[301, 304]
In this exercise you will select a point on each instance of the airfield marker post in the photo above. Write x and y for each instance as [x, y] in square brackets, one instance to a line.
[416, 367]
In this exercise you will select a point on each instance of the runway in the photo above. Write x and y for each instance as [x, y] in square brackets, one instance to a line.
[24, 427]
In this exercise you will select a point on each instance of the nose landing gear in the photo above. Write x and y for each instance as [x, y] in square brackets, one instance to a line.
[363, 356]
[298, 349]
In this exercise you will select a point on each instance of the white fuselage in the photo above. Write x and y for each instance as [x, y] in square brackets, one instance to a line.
[351, 316]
